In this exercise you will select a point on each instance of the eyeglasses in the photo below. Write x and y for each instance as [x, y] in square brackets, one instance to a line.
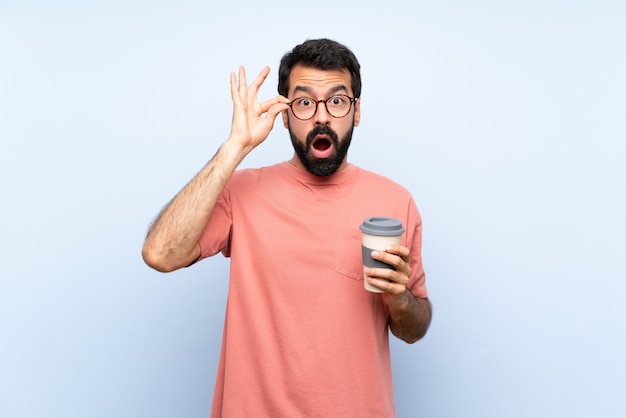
[304, 108]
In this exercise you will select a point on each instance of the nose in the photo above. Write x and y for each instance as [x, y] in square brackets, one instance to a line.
[322, 117]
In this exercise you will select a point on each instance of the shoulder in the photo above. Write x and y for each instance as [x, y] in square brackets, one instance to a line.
[380, 182]
[256, 179]
[255, 174]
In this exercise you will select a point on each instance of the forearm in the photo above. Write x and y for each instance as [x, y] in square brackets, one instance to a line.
[172, 240]
[410, 317]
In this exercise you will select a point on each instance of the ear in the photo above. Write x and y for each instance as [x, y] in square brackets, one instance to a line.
[285, 119]
[357, 112]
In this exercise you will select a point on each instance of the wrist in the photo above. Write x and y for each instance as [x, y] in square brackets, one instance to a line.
[234, 149]
[400, 303]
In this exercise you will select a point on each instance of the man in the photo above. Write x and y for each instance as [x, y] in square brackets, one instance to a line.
[302, 337]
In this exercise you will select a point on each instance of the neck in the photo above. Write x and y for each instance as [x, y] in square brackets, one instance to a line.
[296, 162]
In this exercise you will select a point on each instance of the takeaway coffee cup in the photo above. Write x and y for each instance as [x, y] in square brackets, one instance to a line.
[377, 232]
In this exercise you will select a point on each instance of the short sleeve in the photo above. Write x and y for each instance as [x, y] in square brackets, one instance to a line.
[215, 237]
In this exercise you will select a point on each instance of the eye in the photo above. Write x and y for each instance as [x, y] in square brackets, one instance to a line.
[337, 101]
[303, 102]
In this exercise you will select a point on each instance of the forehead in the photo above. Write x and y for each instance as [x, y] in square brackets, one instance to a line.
[313, 80]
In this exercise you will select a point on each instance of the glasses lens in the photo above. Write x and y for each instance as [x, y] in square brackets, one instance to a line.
[303, 107]
[339, 106]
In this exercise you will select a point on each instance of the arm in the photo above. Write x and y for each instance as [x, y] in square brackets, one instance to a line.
[409, 316]
[172, 240]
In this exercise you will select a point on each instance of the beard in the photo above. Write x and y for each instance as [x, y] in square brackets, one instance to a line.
[322, 167]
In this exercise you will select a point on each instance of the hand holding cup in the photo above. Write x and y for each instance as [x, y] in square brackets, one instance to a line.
[377, 233]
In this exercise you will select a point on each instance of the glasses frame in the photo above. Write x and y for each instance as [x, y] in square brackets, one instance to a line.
[352, 100]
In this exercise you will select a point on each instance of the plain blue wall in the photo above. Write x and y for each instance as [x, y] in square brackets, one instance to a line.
[504, 119]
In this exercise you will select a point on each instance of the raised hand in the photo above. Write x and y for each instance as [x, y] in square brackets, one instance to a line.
[252, 121]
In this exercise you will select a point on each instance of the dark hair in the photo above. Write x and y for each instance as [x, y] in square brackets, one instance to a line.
[322, 54]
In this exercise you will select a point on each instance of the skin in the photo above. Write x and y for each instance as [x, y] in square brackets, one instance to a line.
[409, 317]
[172, 240]
[319, 85]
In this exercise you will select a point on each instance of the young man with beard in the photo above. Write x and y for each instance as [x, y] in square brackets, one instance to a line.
[302, 337]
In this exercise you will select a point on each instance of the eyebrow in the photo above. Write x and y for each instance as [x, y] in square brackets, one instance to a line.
[307, 90]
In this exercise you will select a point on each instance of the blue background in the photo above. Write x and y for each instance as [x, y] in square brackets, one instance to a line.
[504, 119]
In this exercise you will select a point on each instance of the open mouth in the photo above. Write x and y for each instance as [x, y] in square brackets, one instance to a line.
[321, 144]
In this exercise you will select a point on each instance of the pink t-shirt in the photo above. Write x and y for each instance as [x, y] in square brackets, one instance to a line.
[302, 337]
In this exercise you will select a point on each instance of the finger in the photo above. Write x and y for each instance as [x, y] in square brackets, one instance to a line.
[233, 84]
[271, 104]
[255, 86]
[396, 261]
[398, 250]
[387, 275]
[387, 285]
[243, 85]
[260, 79]
[388, 258]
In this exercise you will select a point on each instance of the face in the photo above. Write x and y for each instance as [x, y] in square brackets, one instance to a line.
[320, 143]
